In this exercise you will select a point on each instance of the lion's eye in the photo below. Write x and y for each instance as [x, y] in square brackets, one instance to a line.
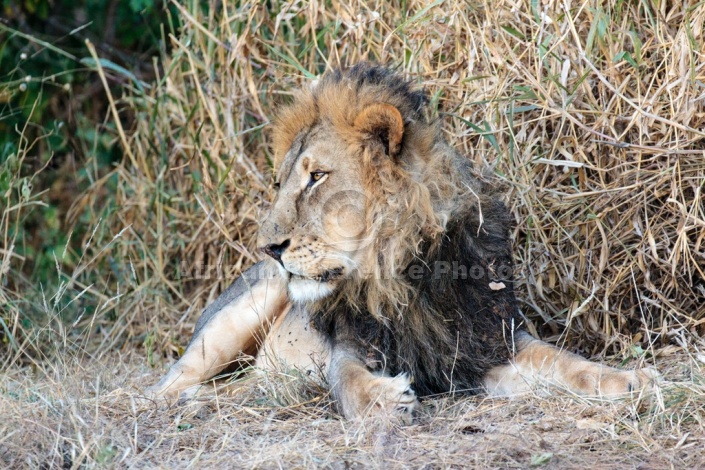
[316, 176]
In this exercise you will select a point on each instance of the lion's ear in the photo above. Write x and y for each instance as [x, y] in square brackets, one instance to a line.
[384, 122]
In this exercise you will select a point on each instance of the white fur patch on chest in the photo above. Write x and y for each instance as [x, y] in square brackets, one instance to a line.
[306, 290]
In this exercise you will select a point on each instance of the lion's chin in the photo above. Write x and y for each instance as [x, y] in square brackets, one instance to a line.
[308, 290]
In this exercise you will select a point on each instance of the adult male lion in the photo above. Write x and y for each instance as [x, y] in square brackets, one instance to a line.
[389, 260]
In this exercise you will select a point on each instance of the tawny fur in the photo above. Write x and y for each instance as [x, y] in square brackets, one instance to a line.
[372, 202]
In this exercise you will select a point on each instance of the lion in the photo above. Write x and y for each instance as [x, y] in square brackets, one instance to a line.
[389, 265]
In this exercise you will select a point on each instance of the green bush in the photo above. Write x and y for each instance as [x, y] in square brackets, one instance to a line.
[56, 141]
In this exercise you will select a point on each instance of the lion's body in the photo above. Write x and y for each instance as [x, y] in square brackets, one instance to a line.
[455, 328]
[391, 261]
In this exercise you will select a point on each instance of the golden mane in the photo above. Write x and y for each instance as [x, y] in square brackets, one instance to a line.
[339, 96]
[410, 198]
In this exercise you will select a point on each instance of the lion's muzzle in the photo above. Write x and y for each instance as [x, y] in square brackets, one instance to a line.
[276, 250]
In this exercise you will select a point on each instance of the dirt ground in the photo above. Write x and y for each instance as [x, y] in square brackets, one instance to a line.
[90, 412]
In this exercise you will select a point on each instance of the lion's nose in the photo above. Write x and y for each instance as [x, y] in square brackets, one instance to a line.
[276, 251]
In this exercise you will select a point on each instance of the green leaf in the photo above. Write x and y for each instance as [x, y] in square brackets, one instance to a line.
[417, 16]
[523, 109]
[26, 189]
[535, 10]
[291, 62]
[514, 32]
[487, 133]
[637, 45]
[139, 5]
[624, 55]
[598, 29]
[526, 93]
[637, 351]
[107, 64]
[541, 459]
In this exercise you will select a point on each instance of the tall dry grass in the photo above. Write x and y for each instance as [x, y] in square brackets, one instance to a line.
[591, 114]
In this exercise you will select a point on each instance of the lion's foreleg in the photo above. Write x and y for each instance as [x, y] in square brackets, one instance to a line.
[539, 363]
[236, 322]
[360, 393]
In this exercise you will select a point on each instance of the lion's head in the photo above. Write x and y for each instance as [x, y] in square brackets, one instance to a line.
[364, 179]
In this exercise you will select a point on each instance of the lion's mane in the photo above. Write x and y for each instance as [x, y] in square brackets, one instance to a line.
[436, 298]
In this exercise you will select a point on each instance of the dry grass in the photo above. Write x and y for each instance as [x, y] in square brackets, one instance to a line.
[88, 413]
[592, 113]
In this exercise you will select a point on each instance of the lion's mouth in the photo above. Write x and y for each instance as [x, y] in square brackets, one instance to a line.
[331, 275]
[325, 277]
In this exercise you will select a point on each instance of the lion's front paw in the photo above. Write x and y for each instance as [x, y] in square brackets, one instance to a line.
[174, 386]
[382, 396]
[620, 383]
[393, 394]
[158, 393]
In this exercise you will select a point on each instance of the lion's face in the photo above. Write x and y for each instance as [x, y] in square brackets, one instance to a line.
[317, 225]
[361, 184]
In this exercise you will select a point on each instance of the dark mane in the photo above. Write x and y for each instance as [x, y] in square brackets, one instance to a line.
[370, 78]
[460, 324]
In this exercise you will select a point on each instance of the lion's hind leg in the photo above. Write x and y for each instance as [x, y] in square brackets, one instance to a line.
[538, 363]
